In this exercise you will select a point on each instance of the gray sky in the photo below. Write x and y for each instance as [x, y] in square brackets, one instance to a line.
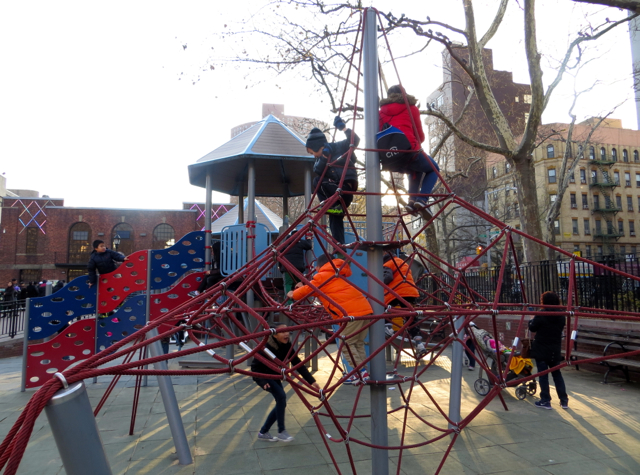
[98, 105]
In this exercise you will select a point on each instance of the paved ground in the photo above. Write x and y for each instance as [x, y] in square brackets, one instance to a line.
[599, 434]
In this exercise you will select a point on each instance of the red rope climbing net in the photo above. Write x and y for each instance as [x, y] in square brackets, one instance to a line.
[448, 302]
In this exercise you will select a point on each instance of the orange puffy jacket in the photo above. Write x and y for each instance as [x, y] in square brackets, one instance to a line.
[402, 283]
[338, 289]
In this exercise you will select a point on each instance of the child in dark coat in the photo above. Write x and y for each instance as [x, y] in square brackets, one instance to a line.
[280, 346]
[331, 160]
[103, 260]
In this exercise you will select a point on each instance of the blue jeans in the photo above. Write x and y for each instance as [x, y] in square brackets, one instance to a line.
[277, 413]
[558, 380]
[422, 166]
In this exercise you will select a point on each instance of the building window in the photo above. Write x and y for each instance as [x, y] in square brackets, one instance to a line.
[587, 250]
[551, 152]
[599, 250]
[572, 177]
[638, 180]
[163, 236]
[576, 249]
[585, 201]
[79, 243]
[621, 228]
[610, 227]
[632, 229]
[526, 98]
[625, 156]
[574, 202]
[614, 155]
[603, 154]
[556, 227]
[583, 176]
[574, 225]
[592, 153]
[552, 175]
[507, 167]
[636, 157]
[616, 177]
[619, 202]
[633, 251]
[125, 232]
[32, 240]
[587, 227]
[516, 210]
[596, 202]
[598, 226]
[552, 198]
[494, 172]
[629, 203]
[627, 179]
[594, 177]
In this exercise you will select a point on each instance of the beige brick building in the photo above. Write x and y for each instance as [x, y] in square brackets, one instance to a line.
[600, 211]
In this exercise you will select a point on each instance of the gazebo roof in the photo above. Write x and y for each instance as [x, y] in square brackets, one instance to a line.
[263, 214]
[280, 159]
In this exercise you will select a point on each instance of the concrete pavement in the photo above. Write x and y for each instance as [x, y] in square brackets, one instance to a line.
[599, 434]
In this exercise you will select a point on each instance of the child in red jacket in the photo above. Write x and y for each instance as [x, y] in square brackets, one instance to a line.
[342, 299]
[393, 111]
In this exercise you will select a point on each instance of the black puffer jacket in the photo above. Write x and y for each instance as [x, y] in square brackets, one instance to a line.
[103, 262]
[547, 344]
[281, 351]
[336, 152]
[296, 254]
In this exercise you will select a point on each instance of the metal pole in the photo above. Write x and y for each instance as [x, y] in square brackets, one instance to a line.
[75, 431]
[48, 290]
[241, 204]
[95, 347]
[455, 390]
[379, 435]
[147, 312]
[25, 346]
[486, 209]
[251, 216]
[170, 404]
[207, 224]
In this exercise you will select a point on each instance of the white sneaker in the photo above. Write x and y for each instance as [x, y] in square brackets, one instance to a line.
[284, 436]
[388, 331]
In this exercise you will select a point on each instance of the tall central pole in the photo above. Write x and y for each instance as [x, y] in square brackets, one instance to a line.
[379, 435]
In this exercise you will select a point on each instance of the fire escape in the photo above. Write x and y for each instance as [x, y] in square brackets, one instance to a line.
[606, 207]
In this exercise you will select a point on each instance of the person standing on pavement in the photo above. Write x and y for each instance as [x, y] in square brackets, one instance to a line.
[547, 350]
[280, 346]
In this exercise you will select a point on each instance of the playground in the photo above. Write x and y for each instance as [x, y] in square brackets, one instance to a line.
[115, 402]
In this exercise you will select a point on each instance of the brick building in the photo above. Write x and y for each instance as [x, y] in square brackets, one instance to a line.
[601, 206]
[40, 238]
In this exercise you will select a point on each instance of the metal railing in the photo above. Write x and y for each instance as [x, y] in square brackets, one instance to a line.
[12, 318]
[595, 287]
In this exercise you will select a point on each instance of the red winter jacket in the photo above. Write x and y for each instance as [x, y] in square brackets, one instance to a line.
[338, 289]
[393, 111]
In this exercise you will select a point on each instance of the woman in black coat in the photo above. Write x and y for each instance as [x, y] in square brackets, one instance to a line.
[547, 350]
[280, 346]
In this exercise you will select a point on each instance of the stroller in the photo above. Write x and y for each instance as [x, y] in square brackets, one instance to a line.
[520, 367]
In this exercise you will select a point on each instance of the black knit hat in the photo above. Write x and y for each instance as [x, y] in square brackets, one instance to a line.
[316, 139]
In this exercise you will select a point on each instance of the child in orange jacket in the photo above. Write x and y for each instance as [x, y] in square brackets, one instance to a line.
[342, 299]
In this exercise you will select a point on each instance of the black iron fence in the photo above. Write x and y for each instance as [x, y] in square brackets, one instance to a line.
[594, 287]
[11, 318]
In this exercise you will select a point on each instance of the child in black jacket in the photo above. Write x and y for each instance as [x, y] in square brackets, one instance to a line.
[280, 346]
[331, 160]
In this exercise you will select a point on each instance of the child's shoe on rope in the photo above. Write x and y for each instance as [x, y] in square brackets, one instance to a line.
[364, 375]
[410, 208]
[353, 380]
[421, 208]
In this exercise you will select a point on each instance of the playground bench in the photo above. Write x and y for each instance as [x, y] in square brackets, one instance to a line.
[611, 341]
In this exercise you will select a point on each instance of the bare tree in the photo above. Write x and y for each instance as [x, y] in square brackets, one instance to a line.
[324, 50]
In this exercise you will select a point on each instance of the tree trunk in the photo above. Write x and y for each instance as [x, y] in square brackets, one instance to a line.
[528, 201]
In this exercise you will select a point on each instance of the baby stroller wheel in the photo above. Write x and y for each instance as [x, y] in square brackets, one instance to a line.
[521, 392]
[532, 387]
[482, 386]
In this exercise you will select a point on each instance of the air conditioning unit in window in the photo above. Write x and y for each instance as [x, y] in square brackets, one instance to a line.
[632, 233]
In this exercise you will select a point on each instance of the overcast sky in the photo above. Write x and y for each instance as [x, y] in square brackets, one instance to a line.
[98, 103]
